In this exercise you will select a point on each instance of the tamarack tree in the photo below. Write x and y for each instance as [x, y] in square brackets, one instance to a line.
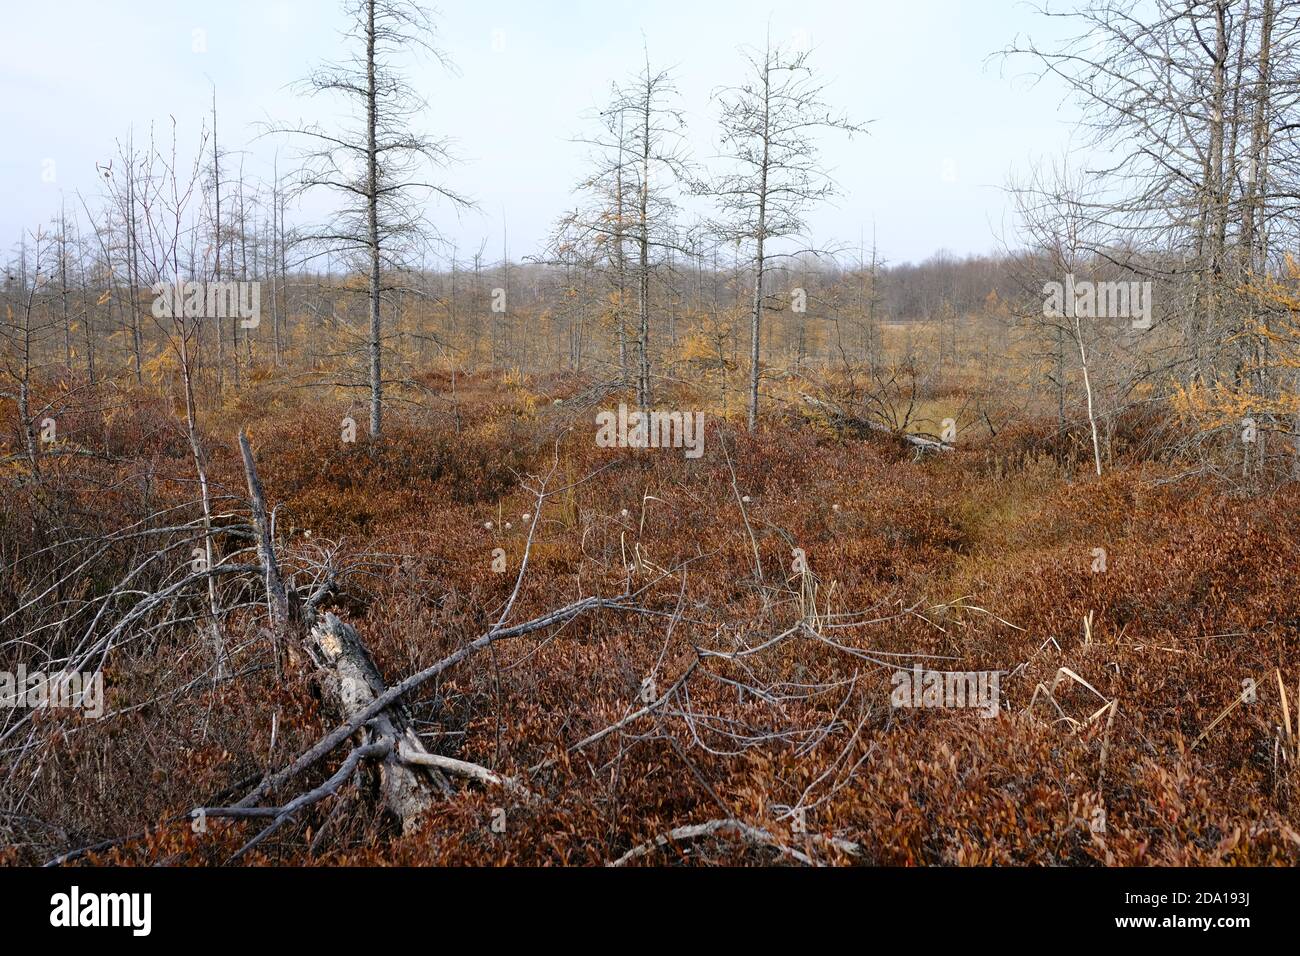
[639, 157]
[380, 166]
[769, 125]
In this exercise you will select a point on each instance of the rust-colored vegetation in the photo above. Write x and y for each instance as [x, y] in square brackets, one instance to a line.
[983, 566]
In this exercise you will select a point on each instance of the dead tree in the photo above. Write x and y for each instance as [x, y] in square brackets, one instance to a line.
[349, 677]
[841, 419]
[23, 332]
[1196, 105]
[360, 699]
[380, 167]
[767, 125]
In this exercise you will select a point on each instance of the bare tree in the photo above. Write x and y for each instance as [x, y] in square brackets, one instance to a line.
[1056, 211]
[1196, 104]
[768, 128]
[660, 159]
[23, 332]
[379, 166]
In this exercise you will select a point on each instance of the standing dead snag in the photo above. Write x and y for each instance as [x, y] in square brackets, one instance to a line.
[775, 177]
[349, 677]
[379, 165]
[277, 598]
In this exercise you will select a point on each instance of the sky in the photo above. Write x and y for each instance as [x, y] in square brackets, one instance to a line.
[950, 121]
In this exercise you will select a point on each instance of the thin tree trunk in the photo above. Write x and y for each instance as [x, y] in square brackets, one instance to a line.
[372, 209]
[196, 450]
[133, 272]
[620, 260]
[1087, 390]
[643, 275]
[756, 314]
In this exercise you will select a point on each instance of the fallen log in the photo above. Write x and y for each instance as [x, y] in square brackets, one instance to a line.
[350, 680]
[353, 682]
[842, 420]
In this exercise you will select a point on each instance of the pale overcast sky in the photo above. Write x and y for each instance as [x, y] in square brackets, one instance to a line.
[948, 123]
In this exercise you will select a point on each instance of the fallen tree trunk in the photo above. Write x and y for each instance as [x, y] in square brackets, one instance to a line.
[841, 419]
[349, 678]
[354, 682]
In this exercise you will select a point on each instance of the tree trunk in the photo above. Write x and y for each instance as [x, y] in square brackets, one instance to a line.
[349, 677]
[756, 315]
[643, 274]
[372, 208]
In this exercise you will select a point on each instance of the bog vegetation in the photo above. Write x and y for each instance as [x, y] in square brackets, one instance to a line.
[363, 586]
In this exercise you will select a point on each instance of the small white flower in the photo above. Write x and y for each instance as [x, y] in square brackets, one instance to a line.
[745, 499]
[835, 507]
[527, 516]
[488, 525]
[307, 533]
[509, 526]
[625, 513]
